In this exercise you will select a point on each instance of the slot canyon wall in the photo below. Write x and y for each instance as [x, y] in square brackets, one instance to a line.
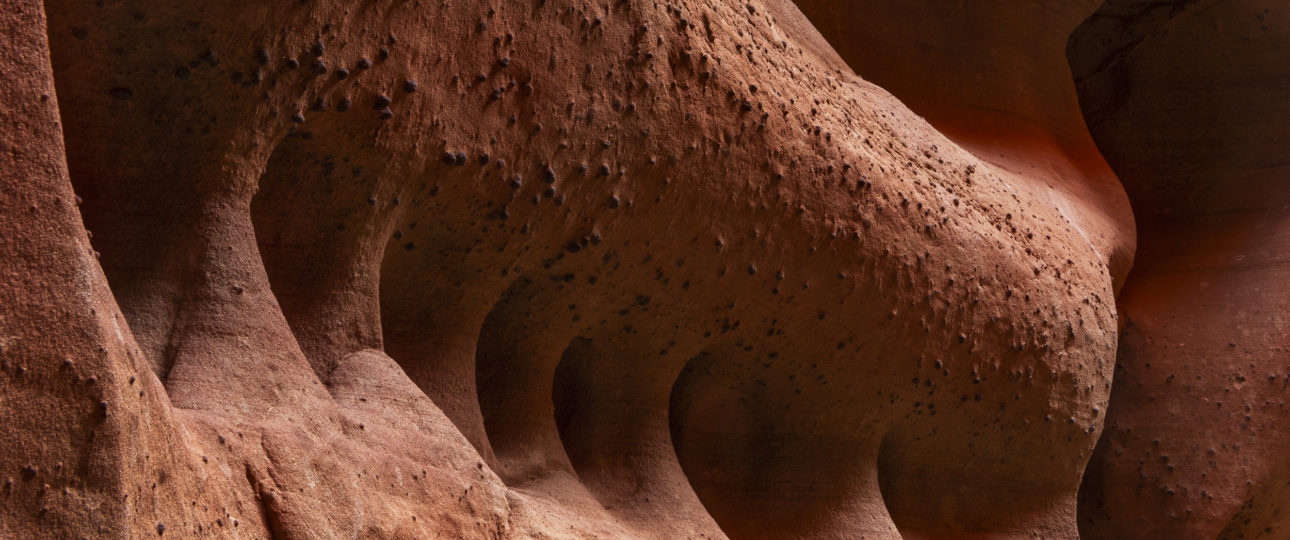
[1184, 99]
[689, 269]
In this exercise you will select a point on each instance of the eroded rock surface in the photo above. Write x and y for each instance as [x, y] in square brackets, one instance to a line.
[994, 79]
[1186, 101]
[550, 268]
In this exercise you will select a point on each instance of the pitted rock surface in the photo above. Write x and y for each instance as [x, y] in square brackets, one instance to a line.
[560, 269]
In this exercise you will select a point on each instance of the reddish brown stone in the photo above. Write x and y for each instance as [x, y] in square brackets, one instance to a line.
[1186, 99]
[554, 269]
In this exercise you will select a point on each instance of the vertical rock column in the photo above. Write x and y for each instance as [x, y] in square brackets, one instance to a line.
[89, 438]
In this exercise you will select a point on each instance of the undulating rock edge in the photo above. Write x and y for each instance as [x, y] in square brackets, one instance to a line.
[1183, 99]
[566, 269]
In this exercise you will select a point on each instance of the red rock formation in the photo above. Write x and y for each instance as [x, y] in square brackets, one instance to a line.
[1186, 100]
[544, 268]
[994, 79]
[75, 434]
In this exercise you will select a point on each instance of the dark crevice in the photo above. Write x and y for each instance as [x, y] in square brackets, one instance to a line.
[514, 371]
[566, 396]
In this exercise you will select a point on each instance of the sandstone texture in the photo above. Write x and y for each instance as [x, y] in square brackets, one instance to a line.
[1185, 100]
[698, 269]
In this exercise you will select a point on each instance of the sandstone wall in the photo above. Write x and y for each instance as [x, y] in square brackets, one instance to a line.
[1185, 99]
[562, 269]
